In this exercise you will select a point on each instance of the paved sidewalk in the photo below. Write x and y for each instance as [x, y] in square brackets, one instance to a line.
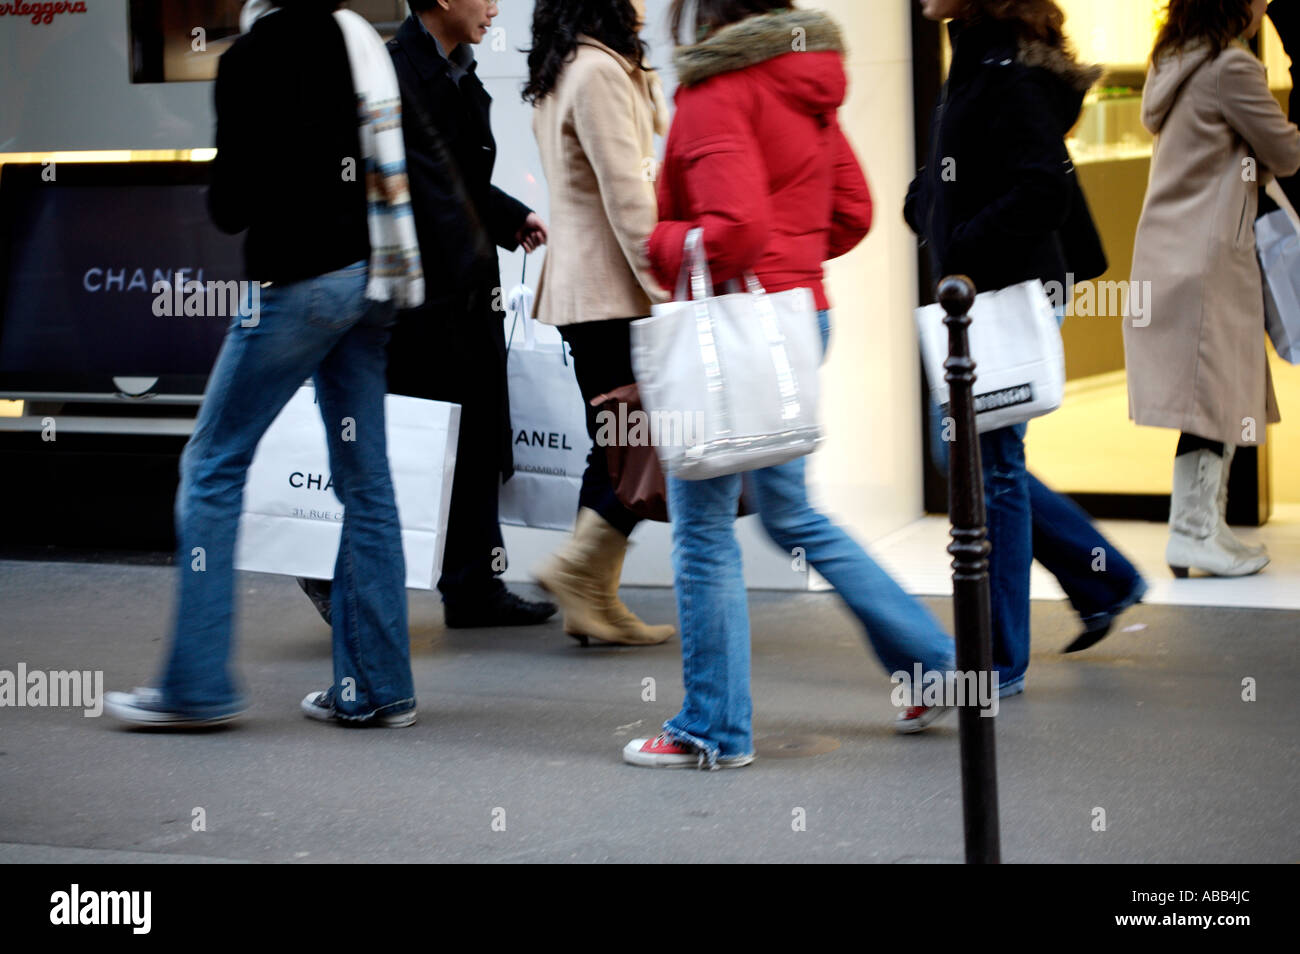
[525, 725]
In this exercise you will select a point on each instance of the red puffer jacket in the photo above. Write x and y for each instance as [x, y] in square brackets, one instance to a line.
[756, 156]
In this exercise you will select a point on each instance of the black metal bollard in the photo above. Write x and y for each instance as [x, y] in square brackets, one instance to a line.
[970, 578]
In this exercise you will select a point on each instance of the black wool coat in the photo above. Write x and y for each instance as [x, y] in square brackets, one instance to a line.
[452, 348]
[999, 200]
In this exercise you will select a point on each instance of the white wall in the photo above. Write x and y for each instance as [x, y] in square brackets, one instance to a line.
[67, 87]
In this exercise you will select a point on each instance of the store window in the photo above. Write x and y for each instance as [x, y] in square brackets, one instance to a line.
[1090, 447]
[181, 40]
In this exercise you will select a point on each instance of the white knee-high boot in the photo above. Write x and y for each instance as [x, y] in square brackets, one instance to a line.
[1196, 538]
[1230, 539]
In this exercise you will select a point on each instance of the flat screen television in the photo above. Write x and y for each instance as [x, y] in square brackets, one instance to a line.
[80, 255]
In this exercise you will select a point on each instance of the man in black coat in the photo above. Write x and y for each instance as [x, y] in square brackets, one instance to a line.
[453, 347]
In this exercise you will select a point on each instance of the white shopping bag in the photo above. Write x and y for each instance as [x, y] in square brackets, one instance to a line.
[1278, 245]
[1015, 340]
[548, 421]
[292, 520]
[730, 382]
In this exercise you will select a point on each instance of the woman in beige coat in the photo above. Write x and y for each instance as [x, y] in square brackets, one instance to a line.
[597, 109]
[1196, 355]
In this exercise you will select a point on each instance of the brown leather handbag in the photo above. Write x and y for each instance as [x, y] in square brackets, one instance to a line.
[634, 471]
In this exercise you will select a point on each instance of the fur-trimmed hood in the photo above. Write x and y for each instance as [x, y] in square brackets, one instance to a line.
[755, 40]
[994, 44]
[1079, 77]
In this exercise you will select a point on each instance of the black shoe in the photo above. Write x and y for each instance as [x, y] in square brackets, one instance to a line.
[502, 608]
[1098, 627]
[318, 591]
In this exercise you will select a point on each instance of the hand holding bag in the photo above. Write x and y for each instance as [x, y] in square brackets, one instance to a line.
[730, 382]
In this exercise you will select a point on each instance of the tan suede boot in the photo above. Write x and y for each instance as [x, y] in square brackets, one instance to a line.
[582, 577]
[623, 617]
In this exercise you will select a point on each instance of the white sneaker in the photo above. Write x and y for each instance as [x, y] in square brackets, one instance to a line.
[143, 706]
[315, 706]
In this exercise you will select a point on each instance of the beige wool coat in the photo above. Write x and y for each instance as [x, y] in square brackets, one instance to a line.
[1197, 359]
[595, 132]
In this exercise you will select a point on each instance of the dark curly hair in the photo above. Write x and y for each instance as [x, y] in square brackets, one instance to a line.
[556, 25]
[1216, 22]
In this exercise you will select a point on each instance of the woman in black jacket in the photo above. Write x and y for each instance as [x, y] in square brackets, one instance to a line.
[999, 201]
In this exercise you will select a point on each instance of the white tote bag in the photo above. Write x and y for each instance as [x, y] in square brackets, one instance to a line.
[1019, 357]
[1277, 244]
[292, 521]
[729, 382]
[549, 424]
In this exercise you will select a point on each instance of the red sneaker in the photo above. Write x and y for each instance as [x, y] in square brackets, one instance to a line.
[919, 718]
[663, 752]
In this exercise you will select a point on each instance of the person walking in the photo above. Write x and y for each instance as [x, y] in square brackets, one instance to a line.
[757, 160]
[453, 347]
[1198, 363]
[334, 254]
[1014, 212]
[598, 107]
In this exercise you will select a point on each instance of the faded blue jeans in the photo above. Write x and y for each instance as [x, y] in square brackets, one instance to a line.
[717, 713]
[326, 328]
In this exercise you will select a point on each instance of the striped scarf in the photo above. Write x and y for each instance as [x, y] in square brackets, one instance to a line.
[395, 269]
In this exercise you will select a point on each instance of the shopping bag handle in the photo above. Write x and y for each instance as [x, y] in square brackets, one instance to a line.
[695, 272]
[751, 285]
[520, 303]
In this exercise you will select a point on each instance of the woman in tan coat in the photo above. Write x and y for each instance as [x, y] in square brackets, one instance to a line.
[597, 109]
[1196, 357]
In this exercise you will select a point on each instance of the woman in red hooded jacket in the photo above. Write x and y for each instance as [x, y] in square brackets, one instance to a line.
[757, 160]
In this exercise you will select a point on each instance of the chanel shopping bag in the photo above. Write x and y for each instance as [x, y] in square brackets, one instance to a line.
[292, 521]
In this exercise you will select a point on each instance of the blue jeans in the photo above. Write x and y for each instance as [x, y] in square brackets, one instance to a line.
[327, 328]
[716, 715]
[1029, 521]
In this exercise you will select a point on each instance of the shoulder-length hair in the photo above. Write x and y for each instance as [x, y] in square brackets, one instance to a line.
[713, 15]
[1213, 22]
[1040, 20]
[556, 25]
